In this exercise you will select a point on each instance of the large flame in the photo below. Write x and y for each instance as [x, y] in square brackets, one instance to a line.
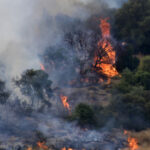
[104, 61]
[64, 100]
[132, 142]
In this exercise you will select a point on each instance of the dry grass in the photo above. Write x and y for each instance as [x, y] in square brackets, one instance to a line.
[143, 138]
[91, 94]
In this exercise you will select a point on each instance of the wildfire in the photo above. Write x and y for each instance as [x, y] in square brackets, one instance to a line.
[64, 100]
[132, 142]
[29, 148]
[42, 145]
[42, 67]
[105, 56]
[66, 148]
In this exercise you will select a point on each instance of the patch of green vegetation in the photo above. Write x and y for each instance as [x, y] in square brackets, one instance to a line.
[90, 116]
[126, 59]
[84, 114]
[131, 100]
[132, 25]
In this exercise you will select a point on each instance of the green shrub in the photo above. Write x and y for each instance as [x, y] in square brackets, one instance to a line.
[145, 64]
[126, 59]
[84, 114]
[126, 82]
[143, 79]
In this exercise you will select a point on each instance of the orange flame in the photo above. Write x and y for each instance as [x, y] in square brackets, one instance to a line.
[105, 64]
[42, 67]
[66, 148]
[42, 145]
[29, 148]
[64, 100]
[132, 142]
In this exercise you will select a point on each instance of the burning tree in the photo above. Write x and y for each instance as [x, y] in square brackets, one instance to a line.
[105, 56]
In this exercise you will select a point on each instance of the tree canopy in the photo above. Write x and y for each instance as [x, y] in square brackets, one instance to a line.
[132, 25]
[35, 84]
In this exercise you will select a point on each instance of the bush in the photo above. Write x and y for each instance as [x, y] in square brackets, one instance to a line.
[126, 82]
[129, 109]
[143, 79]
[145, 64]
[84, 114]
[126, 60]
[132, 100]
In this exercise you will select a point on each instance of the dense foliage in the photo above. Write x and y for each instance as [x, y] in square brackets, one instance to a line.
[90, 116]
[84, 114]
[132, 97]
[132, 25]
[126, 59]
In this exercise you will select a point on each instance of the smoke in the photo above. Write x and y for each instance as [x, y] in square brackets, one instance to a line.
[16, 52]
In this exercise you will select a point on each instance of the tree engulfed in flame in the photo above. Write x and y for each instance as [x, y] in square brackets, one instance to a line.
[42, 67]
[132, 142]
[104, 61]
[64, 100]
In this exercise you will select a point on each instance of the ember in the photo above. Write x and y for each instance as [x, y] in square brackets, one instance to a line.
[105, 56]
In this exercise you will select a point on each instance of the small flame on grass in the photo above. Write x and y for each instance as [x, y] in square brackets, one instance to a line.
[132, 142]
[64, 100]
